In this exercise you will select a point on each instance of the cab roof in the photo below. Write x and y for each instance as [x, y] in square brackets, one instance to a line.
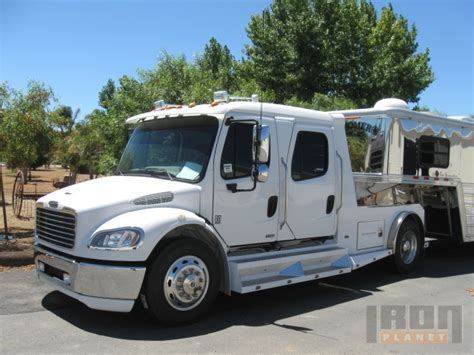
[219, 110]
[394, 107]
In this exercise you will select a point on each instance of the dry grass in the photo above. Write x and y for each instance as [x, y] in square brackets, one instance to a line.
[29, 267]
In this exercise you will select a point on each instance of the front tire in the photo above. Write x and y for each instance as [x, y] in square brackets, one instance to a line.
[182, 283]
[409, 247]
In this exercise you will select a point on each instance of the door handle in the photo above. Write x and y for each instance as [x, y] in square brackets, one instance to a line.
[272, 205]
[330, 204]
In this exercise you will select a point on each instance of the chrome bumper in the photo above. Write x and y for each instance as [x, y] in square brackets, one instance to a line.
[105, 287]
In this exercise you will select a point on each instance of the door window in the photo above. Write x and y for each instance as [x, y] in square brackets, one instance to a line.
[237, 155]
[310, 156]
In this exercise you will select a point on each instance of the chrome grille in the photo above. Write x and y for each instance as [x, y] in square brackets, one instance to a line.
[56, 227]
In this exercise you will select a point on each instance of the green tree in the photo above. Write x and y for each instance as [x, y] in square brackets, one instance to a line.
[174, 80]
[397, 69]
[318, 54]
[338, 48]
[171, 80]
[220, 64]
[86, 144]
[103, 133]
[107, 93]
[25, 129]
[5, 92]
[62, 121]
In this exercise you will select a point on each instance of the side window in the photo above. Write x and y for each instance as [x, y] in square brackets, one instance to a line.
[310, 157]
[433, 152]
[237, 156]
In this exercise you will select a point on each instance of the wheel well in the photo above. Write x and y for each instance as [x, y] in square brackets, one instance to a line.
[203, 236]
[397, 223]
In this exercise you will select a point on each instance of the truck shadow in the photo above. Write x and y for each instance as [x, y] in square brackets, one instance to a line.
[264, 307]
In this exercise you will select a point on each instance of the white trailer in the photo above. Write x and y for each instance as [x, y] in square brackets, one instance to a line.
[417, 157]
[241, 196]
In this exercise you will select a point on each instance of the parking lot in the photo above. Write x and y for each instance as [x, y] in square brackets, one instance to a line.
[324, 316]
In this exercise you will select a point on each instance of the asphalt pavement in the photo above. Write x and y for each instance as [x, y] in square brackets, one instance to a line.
[327, 316]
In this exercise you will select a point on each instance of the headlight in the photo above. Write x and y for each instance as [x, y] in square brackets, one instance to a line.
[121, 239]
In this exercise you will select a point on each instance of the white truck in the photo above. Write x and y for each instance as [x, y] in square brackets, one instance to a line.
[241, 196]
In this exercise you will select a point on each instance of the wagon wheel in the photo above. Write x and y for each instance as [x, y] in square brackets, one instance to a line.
[17, 195]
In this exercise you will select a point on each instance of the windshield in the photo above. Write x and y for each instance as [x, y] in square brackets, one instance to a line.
[170, 148]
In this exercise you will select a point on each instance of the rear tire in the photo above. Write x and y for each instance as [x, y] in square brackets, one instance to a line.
[409, 247]
[182, 283]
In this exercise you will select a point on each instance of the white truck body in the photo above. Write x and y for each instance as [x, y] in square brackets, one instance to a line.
[290, 226]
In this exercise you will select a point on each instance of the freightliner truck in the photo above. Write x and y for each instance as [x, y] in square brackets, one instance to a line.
[241, 196]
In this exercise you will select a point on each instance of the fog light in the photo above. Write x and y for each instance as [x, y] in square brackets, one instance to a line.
[66, 279]
[40, 266]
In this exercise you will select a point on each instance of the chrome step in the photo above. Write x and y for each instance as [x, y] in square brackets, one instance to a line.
[265, 270]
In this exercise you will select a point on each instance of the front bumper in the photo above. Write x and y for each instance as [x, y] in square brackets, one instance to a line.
[104, 287]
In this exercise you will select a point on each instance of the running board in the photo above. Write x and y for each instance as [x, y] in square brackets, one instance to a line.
[266, 270]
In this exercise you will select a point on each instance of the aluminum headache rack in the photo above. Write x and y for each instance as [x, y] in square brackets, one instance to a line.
[406, 179]
[468, 192]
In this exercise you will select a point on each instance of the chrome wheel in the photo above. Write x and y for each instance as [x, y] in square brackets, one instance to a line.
[186, 283]
[408, 247]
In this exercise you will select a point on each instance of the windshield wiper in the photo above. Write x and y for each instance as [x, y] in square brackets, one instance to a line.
[153, 172]
[159, 171]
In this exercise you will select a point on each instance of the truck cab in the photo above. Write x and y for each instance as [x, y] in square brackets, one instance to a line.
[233, 196]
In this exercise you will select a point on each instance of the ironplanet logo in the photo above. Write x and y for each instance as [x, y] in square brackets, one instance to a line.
[420, 324]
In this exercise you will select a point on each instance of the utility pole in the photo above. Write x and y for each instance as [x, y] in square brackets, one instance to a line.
[3, 201]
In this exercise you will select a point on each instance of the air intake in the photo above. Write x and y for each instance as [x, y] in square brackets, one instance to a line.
[154, 199]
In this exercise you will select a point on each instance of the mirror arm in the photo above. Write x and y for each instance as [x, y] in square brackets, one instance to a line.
[233, 187]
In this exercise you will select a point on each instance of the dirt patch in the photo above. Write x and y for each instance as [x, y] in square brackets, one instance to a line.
[16, 245]
[19, 251]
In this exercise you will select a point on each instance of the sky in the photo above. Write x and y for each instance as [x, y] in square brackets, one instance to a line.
[75, 46]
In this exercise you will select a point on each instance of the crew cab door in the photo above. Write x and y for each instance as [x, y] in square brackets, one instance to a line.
[311, 182]
[244, 217]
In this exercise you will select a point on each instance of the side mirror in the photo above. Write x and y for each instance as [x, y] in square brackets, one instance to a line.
[262, 155]
[262, 172]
